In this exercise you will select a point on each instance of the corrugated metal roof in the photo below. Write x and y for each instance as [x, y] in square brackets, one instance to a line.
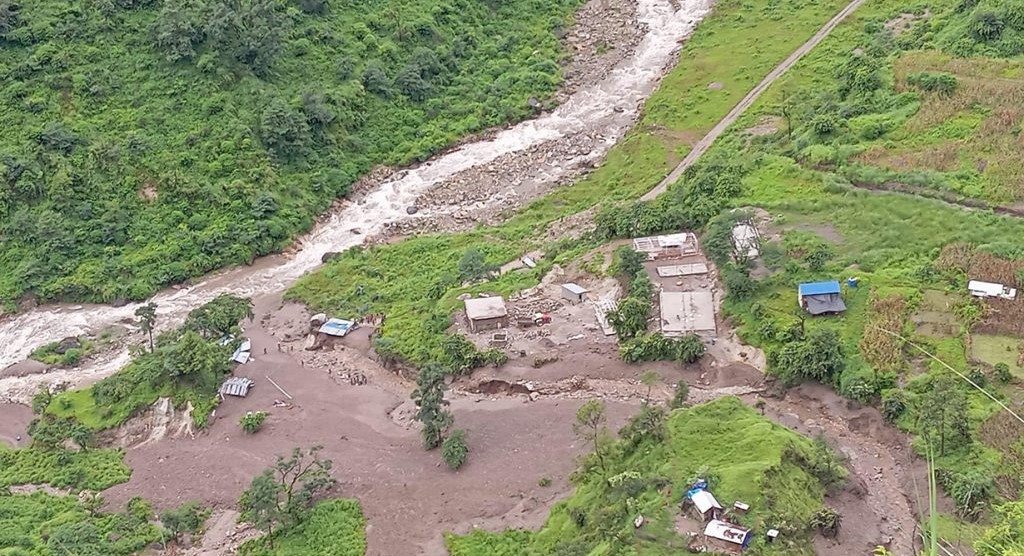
[727, 532]
[336, 327]
[704, 501]
[819, 288]
[821, 304]
[236, 386]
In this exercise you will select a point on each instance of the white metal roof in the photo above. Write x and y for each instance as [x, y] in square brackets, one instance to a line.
[991, 289]
[704, 501]
[676, 240]
[575, 288]
[336, 327]
[726, 531]
[653, 244]
[479, 308]
[683, 312]
[236, 386]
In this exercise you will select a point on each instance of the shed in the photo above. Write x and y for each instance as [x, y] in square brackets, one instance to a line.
[706, 503]
[236, 386]
[819, 298]
[486, 313]
[687, 312]
[574, 292]
[736, 538]
[337, 327]
[991, 289]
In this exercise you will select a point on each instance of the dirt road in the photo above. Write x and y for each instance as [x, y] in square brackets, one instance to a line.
[704, 144]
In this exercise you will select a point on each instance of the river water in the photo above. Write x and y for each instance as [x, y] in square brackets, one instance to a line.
[610, 107]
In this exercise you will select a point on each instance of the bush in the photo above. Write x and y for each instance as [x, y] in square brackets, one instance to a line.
[253, 421]
[818, 357]
[977, 376]
[187, 518]
[682, 392]
[894, 404]
[827, 521]
[454, 449]
[738, 283]
[972, 490]
[942, 83]
[648, 424]
[655, 347]
[1003, 373]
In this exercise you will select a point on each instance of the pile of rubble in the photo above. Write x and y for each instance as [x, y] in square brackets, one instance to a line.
[526, 309]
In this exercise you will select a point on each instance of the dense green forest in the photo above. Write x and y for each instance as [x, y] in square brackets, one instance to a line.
[146, 142]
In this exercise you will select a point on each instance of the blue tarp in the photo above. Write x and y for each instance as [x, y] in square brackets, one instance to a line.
[819, 288]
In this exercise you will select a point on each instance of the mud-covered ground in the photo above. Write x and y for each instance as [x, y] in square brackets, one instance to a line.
[409, 497]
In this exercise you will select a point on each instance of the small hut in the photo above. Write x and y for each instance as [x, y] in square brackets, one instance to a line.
[574, 292]
[486, 313]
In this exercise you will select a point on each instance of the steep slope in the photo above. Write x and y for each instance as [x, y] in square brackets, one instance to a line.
[149, 142]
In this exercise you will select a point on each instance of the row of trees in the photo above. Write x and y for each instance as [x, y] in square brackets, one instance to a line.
[435, 418]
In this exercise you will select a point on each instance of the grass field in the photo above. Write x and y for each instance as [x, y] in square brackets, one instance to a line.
[747, 461]
[414, 281]
[994, 349]
[333, 528]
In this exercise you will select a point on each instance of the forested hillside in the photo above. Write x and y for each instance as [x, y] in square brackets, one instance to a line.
[146, 142]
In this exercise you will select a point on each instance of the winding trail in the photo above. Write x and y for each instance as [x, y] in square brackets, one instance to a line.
[704, 144]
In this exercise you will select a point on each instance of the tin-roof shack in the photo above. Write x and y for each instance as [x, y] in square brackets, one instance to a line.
[733, 537]
[486, 313]
[706, 504]
[686, 312]
[337, 327]
[991, 289]
[574, 292]
[819, 298]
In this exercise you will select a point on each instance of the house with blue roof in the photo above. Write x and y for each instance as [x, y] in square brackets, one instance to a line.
[820, 298]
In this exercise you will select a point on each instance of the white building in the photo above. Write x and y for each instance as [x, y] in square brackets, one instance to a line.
[991, 289]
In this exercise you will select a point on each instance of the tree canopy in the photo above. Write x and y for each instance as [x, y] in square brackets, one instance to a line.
[150, 141]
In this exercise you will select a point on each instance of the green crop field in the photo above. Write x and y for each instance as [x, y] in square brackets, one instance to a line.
[993, 349]
[750, 459]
